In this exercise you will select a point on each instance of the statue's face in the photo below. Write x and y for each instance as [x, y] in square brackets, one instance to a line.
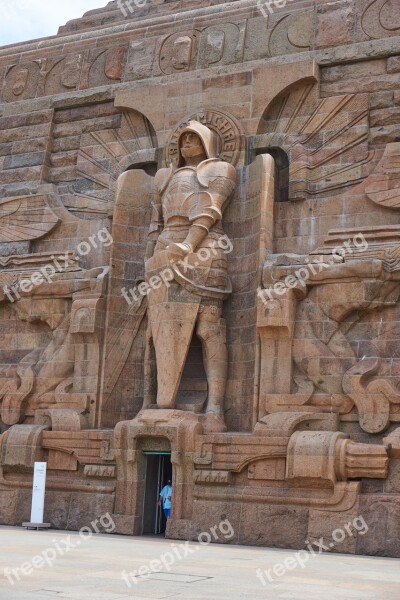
[191, 145]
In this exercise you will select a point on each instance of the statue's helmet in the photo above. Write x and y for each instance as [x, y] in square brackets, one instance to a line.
[208, 138]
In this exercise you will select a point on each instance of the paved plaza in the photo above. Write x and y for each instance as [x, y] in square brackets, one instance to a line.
[112, 567]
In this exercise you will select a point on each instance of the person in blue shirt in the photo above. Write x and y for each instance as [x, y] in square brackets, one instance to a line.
[166, 499]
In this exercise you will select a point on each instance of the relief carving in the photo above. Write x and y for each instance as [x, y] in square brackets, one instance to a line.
[63, 74]
[383, 185]
[178, 51]
[212, 477]
[102, 157]
[328, 375]
[54, 374]
[105, 66]
[99, 471]
[330, 456]
[326, 140]
[293, 33]
[221, 45]
[25, 218]
[21, 81]
[310, 375]
[381, 19]
[57, 75]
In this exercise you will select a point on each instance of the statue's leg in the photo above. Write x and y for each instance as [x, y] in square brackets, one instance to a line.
[211, 331]
[150, 391]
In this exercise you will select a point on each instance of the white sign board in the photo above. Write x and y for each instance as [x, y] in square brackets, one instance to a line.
[39, 489]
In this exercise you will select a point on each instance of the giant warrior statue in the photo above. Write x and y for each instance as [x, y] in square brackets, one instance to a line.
[185, 237]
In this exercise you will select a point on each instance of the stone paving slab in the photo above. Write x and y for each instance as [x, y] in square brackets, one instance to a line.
[92, 569]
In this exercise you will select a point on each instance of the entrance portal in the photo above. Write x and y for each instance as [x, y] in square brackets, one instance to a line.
[158, 472]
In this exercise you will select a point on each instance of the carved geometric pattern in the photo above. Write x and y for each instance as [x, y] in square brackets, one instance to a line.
[103, 156]
[381, 18]
[25, 218]
[326, 139]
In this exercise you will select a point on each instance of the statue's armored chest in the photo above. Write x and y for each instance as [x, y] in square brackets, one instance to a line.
[183, 184]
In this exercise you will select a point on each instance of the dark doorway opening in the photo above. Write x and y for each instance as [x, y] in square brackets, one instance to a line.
[158, 472]
[281, 172]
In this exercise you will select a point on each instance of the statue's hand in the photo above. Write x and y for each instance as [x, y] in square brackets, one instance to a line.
[177, 252]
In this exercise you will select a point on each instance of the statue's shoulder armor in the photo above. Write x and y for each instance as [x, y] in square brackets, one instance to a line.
[162, 178]
[213, 168]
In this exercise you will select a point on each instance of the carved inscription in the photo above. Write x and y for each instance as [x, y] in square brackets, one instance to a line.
[99, 471]
[228, 131]
[213, 477]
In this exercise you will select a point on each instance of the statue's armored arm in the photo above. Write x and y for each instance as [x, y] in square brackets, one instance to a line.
[206, 207]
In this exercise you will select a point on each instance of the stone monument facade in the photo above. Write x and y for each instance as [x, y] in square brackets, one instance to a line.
[200, 259]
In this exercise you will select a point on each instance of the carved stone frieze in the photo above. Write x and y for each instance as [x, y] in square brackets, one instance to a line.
[55, 75]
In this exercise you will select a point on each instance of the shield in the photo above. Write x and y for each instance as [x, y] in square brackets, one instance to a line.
[172, 316]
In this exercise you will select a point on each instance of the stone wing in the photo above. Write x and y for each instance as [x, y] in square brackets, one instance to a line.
[24, 218]
[130, 226]
[325, 139]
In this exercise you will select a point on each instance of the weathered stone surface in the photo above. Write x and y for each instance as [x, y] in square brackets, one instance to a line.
[392, 484]
[335, 23]
[393, 64]
[8, 507]
[269, 525]
[381, 100]
[382, 517]
[217, 512]
[86, 511]
[57, 508]
[340, 530]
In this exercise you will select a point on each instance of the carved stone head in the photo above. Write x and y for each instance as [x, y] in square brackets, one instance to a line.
[197, 138]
